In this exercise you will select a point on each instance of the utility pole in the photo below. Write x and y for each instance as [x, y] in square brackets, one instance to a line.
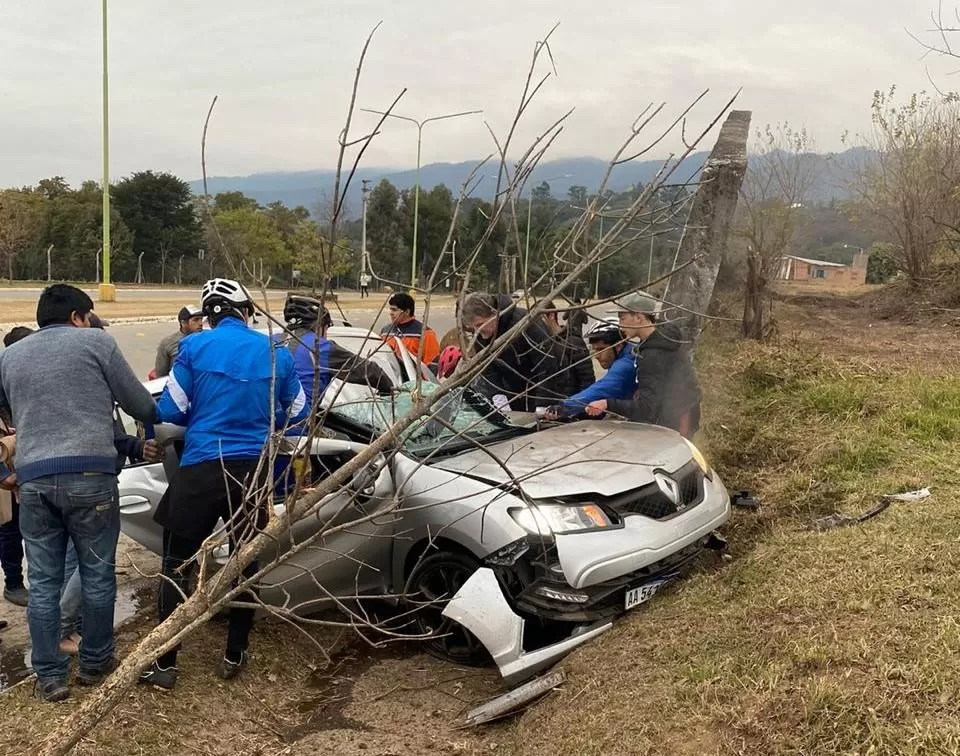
[108, 292]
[49, 275]
[416, 188]
[365, 192]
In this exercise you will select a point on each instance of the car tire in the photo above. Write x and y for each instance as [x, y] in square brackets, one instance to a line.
[434, 581]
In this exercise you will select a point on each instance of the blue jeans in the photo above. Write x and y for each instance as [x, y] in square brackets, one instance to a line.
[83, 509]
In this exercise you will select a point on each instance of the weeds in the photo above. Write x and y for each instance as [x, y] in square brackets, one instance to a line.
[814, 643]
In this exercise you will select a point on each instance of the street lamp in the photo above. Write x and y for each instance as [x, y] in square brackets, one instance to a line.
[526, 251]
[416, 191]
[108, 291]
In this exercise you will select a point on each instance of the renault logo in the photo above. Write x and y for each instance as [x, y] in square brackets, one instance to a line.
[669, 487]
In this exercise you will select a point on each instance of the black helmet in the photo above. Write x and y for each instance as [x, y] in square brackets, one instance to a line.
[301, 311]
[608, 333]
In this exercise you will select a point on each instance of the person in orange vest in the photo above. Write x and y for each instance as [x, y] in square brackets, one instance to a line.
[405, 327]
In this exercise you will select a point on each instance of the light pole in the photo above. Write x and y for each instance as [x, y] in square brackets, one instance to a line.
[416, 191]
[365, 192]
[108, 292]
[526, 251]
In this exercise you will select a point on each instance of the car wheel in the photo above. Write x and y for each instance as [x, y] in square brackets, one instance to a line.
[433, 582]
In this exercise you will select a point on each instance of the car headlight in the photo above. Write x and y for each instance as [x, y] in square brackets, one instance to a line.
[699, 458]
[547, 519]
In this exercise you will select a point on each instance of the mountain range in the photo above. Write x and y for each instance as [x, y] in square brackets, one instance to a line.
[315, 187]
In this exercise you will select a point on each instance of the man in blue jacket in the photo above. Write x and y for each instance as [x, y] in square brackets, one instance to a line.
[220, 389]
[316, 358]
[615, 355]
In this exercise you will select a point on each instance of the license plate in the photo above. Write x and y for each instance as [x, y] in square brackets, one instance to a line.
[637, 596]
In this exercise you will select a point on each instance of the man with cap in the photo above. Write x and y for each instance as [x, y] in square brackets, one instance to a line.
[666, 392]
[191, 321]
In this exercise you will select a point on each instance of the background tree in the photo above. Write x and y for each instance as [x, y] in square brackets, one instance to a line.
[779, 176]
[907, 182]
[21, 219]
[158, 209]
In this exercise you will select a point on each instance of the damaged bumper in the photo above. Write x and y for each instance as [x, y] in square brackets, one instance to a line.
[481, 608]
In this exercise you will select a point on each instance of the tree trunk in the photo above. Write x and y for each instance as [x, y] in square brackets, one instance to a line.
[704, 240]
[752, 326]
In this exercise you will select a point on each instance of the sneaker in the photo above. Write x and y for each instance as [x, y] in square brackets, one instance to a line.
[51, 690]
[16, 596]
[230, 668]
[70, 645]
[87, 676]
[159, 677]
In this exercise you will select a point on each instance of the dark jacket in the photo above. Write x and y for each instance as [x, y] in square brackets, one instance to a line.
[667, 392]
[575, 362]
[527, 371]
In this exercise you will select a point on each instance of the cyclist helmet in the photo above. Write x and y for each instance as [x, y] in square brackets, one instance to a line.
[449, 358]
[608, 333]
[220, 297]
[301, 311]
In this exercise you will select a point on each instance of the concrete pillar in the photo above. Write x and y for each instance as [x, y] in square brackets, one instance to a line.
[704, 241]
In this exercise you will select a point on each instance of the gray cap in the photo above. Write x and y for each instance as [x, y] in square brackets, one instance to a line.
[636, 301]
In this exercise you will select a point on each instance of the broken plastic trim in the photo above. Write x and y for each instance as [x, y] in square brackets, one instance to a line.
[481, 608]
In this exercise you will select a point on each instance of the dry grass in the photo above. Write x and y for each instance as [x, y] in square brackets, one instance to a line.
[814, 643]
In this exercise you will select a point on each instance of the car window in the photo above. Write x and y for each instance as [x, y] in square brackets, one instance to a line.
[460, 417]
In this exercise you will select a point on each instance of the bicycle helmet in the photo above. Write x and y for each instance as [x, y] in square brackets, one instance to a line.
[608, 333]
[301, 311]
[221, 296]
[449, 358]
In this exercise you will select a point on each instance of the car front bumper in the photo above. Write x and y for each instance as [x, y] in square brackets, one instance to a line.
[600, 556]
[481, 608]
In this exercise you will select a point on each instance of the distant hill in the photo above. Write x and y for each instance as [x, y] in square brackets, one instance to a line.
[309, 188]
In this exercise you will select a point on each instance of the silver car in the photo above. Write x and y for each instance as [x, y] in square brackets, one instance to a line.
[498, 537]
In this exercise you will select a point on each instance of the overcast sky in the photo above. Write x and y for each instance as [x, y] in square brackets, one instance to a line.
[283, 72]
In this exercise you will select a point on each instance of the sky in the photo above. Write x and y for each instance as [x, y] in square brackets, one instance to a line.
[283, 72]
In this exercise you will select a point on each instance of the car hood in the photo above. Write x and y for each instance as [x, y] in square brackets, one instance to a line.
[589, 457]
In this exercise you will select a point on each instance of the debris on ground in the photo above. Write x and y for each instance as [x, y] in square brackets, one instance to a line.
[515, 700]
[837, 520]
[743, 500]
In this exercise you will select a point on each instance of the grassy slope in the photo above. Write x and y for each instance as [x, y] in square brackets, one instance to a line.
[815, 643]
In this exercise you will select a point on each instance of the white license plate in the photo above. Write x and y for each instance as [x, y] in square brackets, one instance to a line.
[637, 596]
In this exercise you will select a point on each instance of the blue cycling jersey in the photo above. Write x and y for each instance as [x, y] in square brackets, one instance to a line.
[219, 389]
[620, 382]
[310, 347]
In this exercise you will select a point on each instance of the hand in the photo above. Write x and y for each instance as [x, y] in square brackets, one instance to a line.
[152, 451]
[553, 413]
[9, 483]
[597, 408]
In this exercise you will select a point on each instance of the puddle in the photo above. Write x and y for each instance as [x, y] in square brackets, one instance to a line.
[130, 597]
[15, 660]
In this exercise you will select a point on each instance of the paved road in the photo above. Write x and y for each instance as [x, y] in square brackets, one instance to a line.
[139, 340]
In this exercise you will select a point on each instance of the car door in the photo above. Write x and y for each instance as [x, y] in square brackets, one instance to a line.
[353, 557]
[142, 484]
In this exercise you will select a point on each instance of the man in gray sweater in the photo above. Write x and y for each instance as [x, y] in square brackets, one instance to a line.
[60, 385]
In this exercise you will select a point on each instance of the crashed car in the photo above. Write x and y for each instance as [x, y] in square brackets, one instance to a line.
[499, 538]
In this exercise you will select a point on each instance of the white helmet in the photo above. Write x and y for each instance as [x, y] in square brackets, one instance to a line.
[221, 294]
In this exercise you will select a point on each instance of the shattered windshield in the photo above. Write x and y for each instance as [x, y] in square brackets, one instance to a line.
[454, 423]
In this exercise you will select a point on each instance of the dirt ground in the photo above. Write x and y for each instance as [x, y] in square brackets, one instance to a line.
[800, 642]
